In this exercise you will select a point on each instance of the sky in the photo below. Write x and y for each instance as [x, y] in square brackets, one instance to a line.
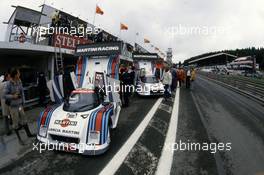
[189, 27]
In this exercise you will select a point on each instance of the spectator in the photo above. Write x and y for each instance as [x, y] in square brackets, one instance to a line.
[5, 108]
[167, 80]
[14, 96]
[188, 78]
[142, 73]
[180, 76]
[193, 74]
[174, 78]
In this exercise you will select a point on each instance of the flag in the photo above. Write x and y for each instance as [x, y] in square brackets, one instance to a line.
[99, 10]
[123, 26]
[146, 40]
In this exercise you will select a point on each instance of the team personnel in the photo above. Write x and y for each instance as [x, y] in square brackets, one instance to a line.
[14, 96]
[174, 78]
[5, 108]
[167, 80]
[180, 76]
[125, 86]
[188, 78]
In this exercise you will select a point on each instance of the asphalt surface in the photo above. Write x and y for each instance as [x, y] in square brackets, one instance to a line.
[211, 113]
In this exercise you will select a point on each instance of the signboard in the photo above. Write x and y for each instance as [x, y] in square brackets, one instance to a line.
[68, 41]
[140, 49]
[99, 49]
[21, 38]
[145, 56]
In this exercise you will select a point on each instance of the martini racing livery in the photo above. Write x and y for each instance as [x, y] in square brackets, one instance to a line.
[81, 124]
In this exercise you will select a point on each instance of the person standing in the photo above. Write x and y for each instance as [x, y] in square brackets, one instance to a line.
[174, 78]
[14, 96]
[5, 108]
[180, 76]
[125, 78]
[193, 75]
[188, 78]
[132, 75]
[42, 88]
[167, 80]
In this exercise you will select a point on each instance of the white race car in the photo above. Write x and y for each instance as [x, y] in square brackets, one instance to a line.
[82, 124]
[149, 85]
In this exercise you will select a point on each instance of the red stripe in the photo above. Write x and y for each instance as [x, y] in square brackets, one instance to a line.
[99, 117]
[43, 119]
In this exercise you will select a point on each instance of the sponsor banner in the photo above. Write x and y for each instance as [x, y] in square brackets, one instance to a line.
[68, 41]
[21, 38]
[145, 56]
[63, 131]
[99, 49]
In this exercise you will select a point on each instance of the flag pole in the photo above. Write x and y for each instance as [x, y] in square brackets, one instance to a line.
[94, 14]
[120, 32]
[136, 37]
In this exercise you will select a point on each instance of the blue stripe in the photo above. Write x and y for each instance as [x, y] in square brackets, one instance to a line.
[89, 126]
[102, 129]
[39, 119]
[106, 128]
[49, 115]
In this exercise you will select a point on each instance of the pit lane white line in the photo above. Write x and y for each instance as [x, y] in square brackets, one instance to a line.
[165, 161]
[120, 156]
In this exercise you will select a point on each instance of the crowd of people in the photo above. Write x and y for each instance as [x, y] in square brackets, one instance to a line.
[177, 76]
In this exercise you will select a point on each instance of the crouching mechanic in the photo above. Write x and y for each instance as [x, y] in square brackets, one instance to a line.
[14, 96]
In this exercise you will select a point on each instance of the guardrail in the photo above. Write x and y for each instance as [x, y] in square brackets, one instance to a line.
[252, 86]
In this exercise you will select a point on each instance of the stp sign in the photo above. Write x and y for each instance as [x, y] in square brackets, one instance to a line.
[68, 41]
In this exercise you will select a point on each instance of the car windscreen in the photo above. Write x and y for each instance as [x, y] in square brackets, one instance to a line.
[81, 102]
[150, 80]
